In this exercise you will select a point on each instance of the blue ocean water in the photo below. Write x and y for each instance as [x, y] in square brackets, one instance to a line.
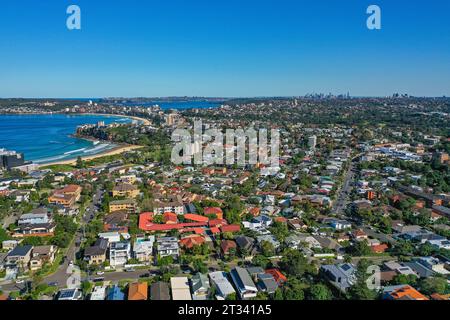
[46, 138]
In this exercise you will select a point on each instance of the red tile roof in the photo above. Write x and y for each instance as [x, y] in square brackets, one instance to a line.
[170, 217]
[226, 245]
[214, 210]
[192, 241]
[277, 275]
[231, 228]
[195, 217]
[217, 222]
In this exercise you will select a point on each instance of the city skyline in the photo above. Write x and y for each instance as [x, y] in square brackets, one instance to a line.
[255, 49]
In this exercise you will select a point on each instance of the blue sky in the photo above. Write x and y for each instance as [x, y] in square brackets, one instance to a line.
[223, 48]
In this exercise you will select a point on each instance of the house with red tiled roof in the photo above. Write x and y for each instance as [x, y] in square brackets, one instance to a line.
[226, 246]
[191, 241]
[217, 222]
[380, 248]
[255, 211]
[277, 275]
[138, 291]
[359, 235]
[213, 211]
[231, 228]
[170, 218]
[402, 292]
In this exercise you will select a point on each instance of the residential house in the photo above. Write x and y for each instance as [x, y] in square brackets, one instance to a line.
[222, 285]
[119, 253]
[138, 291]
[69, 295]
[227, 246]
[143, 249]
[98, 294]
[42, 255]
[20, 256]
[246, 245]
[402, 292]
[159, 291]
[110, 236]
[342, 276]
[266, 283]
[167, 246]
[277, 275]
[180, 288]
[200, 286]
[244, 284]
[268, 238]
[96, 254]
[10, 244]
[114, 293]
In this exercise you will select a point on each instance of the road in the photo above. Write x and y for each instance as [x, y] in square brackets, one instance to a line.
[60, 277]
[341, 201]
[385, 238]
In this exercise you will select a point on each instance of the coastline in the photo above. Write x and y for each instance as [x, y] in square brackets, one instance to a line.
[111, 152]
[144, 121]
[117, 149]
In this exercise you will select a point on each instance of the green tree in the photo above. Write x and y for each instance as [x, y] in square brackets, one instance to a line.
[319, 292]
[434, 285]
[360, 290]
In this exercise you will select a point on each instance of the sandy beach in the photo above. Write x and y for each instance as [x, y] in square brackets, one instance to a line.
[117, 150]
[144, 121]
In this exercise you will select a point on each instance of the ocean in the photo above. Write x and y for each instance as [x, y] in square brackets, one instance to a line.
[46, 138]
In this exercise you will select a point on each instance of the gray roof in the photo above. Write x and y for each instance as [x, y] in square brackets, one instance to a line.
[267, 283]
[159, 291]
[200, 282]
[99, 248]
[242, 278]
[341, 275]
[245, 242]
[20, 251]
[421, 270]
[255, 270]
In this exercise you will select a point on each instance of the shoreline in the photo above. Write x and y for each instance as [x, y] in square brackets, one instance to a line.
[111, 152]
[117, 149]
[144, 121]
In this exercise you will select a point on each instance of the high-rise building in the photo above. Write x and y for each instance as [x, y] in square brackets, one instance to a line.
[10, 159]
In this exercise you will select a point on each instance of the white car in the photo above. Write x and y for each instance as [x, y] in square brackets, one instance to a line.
[19, 281]
[100, 273]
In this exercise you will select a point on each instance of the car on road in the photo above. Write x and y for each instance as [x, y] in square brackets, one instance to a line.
[52, 284]
[100, 279]
[145, 275]
[20, 281]
[100, 273]
[130, 270]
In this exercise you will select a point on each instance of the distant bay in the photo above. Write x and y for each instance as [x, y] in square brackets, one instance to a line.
[47, 138]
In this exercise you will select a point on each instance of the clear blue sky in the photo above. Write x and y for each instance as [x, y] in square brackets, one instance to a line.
[223, 48]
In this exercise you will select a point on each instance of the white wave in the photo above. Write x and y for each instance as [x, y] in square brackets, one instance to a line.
[75, 151]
